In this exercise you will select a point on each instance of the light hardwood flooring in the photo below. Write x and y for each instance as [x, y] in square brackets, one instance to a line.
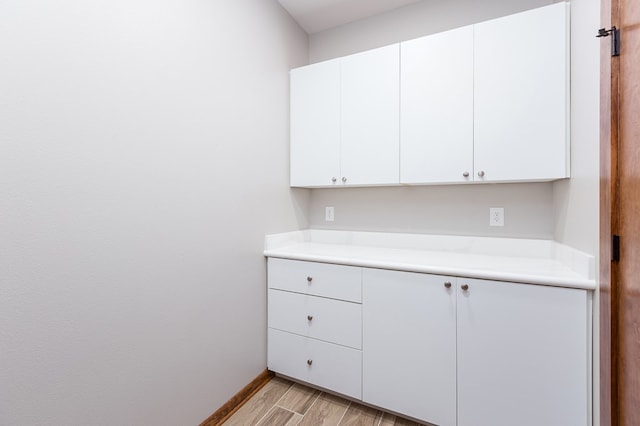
[284, 403]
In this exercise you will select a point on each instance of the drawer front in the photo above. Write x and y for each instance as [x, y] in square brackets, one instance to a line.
[319, 279]
[331, 320]
[323, 364]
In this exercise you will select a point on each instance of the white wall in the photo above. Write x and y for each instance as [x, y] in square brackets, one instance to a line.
[416, 20]
[577, 201]
[143, 156]
[452, 209]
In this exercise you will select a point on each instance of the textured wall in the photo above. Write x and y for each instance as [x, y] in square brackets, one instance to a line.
[143, 156]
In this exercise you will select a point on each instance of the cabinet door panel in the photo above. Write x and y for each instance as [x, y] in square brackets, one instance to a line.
[315, 124]
[409, 344]
[335, 281]
[521, 95]
[370, 116]
[522, 355]
[331, 320]
[333, 367]
[436, 124]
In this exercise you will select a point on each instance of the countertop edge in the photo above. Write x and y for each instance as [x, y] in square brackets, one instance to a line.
[577, 283]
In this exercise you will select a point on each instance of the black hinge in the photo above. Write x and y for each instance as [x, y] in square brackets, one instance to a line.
[615, 248]
[615, 39]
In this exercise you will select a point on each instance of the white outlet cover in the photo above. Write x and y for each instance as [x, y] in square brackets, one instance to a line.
[329, 214]
[496, 216]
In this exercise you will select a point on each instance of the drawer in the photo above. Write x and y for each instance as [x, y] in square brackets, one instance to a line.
[323, 364]
[331, 320]
[319, 279]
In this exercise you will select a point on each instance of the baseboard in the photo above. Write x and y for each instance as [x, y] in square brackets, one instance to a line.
[231, 406]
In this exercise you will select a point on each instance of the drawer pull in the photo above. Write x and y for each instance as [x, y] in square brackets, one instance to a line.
[447, 284]
[309, 317]
[309, 279]
[464, 287]
[309, 362]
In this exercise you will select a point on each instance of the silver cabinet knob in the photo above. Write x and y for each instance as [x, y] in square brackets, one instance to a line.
[464, 287]
[309, 279]
[465, 174]
[447, 284]
[333, 179]
[309, 362]
[344, 179]
[481, 173]
[309, 317]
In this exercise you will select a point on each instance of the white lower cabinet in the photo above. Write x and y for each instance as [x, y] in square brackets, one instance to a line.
[409, 344]
[315, 324]
[448, 351]
[523, 355]
[323, 364]
[320, 318]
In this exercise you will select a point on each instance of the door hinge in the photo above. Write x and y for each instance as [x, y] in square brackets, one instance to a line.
[615, 39]
[615, 248]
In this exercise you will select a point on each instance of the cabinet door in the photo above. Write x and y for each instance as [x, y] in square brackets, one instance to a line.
[315, 124]
[409, 344]
[521, 96]
[436, 125]
[370, 117]
[522, 355]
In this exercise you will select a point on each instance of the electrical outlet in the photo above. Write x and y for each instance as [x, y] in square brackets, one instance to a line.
[496, 216]
[329, 214]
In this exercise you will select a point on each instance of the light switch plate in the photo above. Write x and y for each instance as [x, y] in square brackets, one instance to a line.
[496, 216]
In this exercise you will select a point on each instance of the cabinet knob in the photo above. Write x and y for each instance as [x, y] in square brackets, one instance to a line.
[333, 179]
[464, 287]
[309, 279]
[344, 179]
[481, 173]
[447, 284]
[309, 362]
[309, 317]
[465, 174]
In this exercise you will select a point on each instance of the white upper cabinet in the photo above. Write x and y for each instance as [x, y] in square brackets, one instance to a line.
[521, 96]
[483, 103]
[370, 117]
[345, 120]
[436, 124]
[315, 124]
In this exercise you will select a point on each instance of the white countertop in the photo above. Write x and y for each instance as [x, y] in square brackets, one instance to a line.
[544, 262]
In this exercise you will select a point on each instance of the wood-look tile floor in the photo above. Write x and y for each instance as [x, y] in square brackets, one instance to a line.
[284, 403]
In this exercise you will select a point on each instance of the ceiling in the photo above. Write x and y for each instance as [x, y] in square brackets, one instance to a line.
[318, 15]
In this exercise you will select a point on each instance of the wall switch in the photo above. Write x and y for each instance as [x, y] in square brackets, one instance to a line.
[328, 214]
[496, 216]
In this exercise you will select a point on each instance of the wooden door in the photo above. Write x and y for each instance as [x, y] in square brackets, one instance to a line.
[620, 215]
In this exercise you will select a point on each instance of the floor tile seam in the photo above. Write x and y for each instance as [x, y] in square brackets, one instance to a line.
[269, 410]
[312, 404]
[344, 414]
[274, 405]
[277, 404]
[283, 395]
